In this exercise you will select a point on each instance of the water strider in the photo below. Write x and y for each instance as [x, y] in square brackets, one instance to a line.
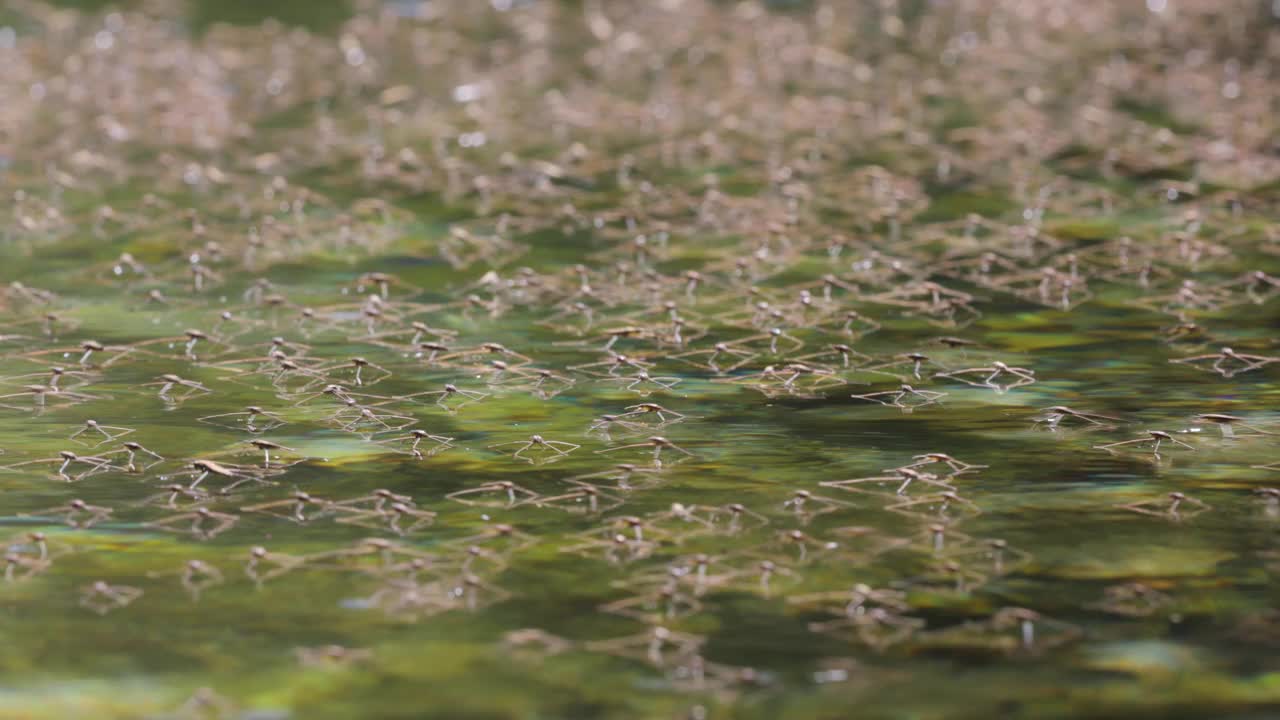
[826, 330]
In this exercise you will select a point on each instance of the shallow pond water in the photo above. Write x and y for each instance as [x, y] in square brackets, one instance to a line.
[864, 499]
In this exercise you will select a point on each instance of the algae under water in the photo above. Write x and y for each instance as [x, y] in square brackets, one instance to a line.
[688, 360]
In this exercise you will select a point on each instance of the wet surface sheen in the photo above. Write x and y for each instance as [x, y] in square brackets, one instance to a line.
[314, 193]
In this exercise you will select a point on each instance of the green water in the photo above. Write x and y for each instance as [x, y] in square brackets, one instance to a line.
[1199, 642]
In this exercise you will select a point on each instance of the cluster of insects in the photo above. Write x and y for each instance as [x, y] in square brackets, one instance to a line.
[575, 364]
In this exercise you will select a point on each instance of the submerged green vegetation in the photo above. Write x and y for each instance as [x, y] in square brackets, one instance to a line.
[687, 360]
